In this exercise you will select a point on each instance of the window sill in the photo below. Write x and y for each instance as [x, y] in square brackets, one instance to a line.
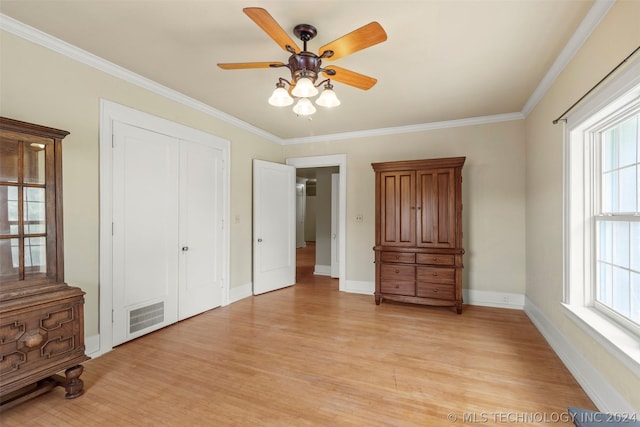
[618, 341]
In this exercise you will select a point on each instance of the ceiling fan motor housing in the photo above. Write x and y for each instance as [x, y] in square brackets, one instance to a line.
[304, 64]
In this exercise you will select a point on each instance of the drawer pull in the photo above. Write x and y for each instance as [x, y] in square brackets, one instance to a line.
[397, 286]
[435, 291]
[435, 258]
[435, 274]
[397, 257]
[397, 271]
[32, 339]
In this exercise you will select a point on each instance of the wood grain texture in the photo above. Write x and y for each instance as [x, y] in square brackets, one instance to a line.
[310, 355]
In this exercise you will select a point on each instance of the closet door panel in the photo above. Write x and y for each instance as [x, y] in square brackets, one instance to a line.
[145, 232]
[201, 213]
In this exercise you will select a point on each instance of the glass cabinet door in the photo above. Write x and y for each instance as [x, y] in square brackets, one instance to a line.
[27, 207]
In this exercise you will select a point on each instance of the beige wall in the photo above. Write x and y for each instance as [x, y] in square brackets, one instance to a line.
[493, 196]
[40, 86]
[616, 36]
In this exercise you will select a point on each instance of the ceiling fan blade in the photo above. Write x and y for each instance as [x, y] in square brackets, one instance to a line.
[351, 78]
[364, 37]
[247, 65]
[265, 21]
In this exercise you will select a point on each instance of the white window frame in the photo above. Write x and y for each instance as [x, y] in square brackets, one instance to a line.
[624, 112]
[581, 183]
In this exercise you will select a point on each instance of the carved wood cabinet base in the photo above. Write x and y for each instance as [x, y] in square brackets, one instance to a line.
[41, 334]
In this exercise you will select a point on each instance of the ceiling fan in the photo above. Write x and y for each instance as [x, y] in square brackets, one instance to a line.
[305, 66]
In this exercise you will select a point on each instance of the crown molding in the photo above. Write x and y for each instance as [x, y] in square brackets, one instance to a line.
[598, 11]
[406, 129]
[586, 27]
[41, 38]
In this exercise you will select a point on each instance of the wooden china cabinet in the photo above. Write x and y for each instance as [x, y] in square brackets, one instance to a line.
[41, 317]
[418, 251]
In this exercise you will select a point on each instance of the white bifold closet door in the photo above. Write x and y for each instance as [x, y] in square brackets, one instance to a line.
[167, 215]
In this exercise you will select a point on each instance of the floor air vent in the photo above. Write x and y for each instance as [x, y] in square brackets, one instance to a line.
[145, 317]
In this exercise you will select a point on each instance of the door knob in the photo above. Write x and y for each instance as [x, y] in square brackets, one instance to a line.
[185, 248]
[259, 240]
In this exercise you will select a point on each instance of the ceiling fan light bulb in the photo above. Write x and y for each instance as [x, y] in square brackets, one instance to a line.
[304, 107]
[304, 88]
[328, 99]
[280, 98]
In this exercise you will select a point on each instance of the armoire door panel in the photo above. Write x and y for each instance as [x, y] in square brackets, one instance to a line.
[446, 208]
[427, 212]
[398, 220]
[435, 210]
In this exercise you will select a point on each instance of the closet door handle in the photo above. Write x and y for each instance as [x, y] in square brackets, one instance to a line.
[185, 248]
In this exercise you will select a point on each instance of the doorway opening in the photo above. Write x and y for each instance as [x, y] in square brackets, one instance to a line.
[332, 170]
[316, 222]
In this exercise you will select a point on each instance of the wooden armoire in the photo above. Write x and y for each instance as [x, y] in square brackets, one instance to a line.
[418, 250]
[41, 317]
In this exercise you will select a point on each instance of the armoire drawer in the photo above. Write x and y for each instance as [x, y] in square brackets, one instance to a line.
[404, 257]
[435, 259]
[436, 275]
[397, 272]
[397, 287]
[435, 290]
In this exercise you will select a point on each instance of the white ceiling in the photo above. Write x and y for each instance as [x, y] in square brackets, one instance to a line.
[443, 59]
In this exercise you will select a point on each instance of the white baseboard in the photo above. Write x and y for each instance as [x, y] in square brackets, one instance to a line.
[237, 293]
[92, 345]
[493, 299]
[472, 297]
[358, 287]
[605, 397]
[322, 270]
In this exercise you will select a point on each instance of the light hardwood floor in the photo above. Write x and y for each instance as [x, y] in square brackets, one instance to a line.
[310, 355]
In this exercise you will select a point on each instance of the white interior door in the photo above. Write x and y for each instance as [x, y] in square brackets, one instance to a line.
[201, 227]
[335, 229]
[145, 231]
[274, 226]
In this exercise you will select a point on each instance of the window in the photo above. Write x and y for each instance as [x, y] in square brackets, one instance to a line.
[617, 218]
[602, 215]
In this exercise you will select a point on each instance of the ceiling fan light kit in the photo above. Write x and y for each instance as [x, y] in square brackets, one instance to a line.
[305, 66]
[304, 107]
[304, 88]
[328, 97]
[280, 96]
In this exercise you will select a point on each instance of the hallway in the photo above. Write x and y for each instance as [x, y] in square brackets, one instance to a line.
[305, 265]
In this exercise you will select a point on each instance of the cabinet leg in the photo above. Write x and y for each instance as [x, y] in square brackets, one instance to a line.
[459, 307]
[74, 385]
[378, 299]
